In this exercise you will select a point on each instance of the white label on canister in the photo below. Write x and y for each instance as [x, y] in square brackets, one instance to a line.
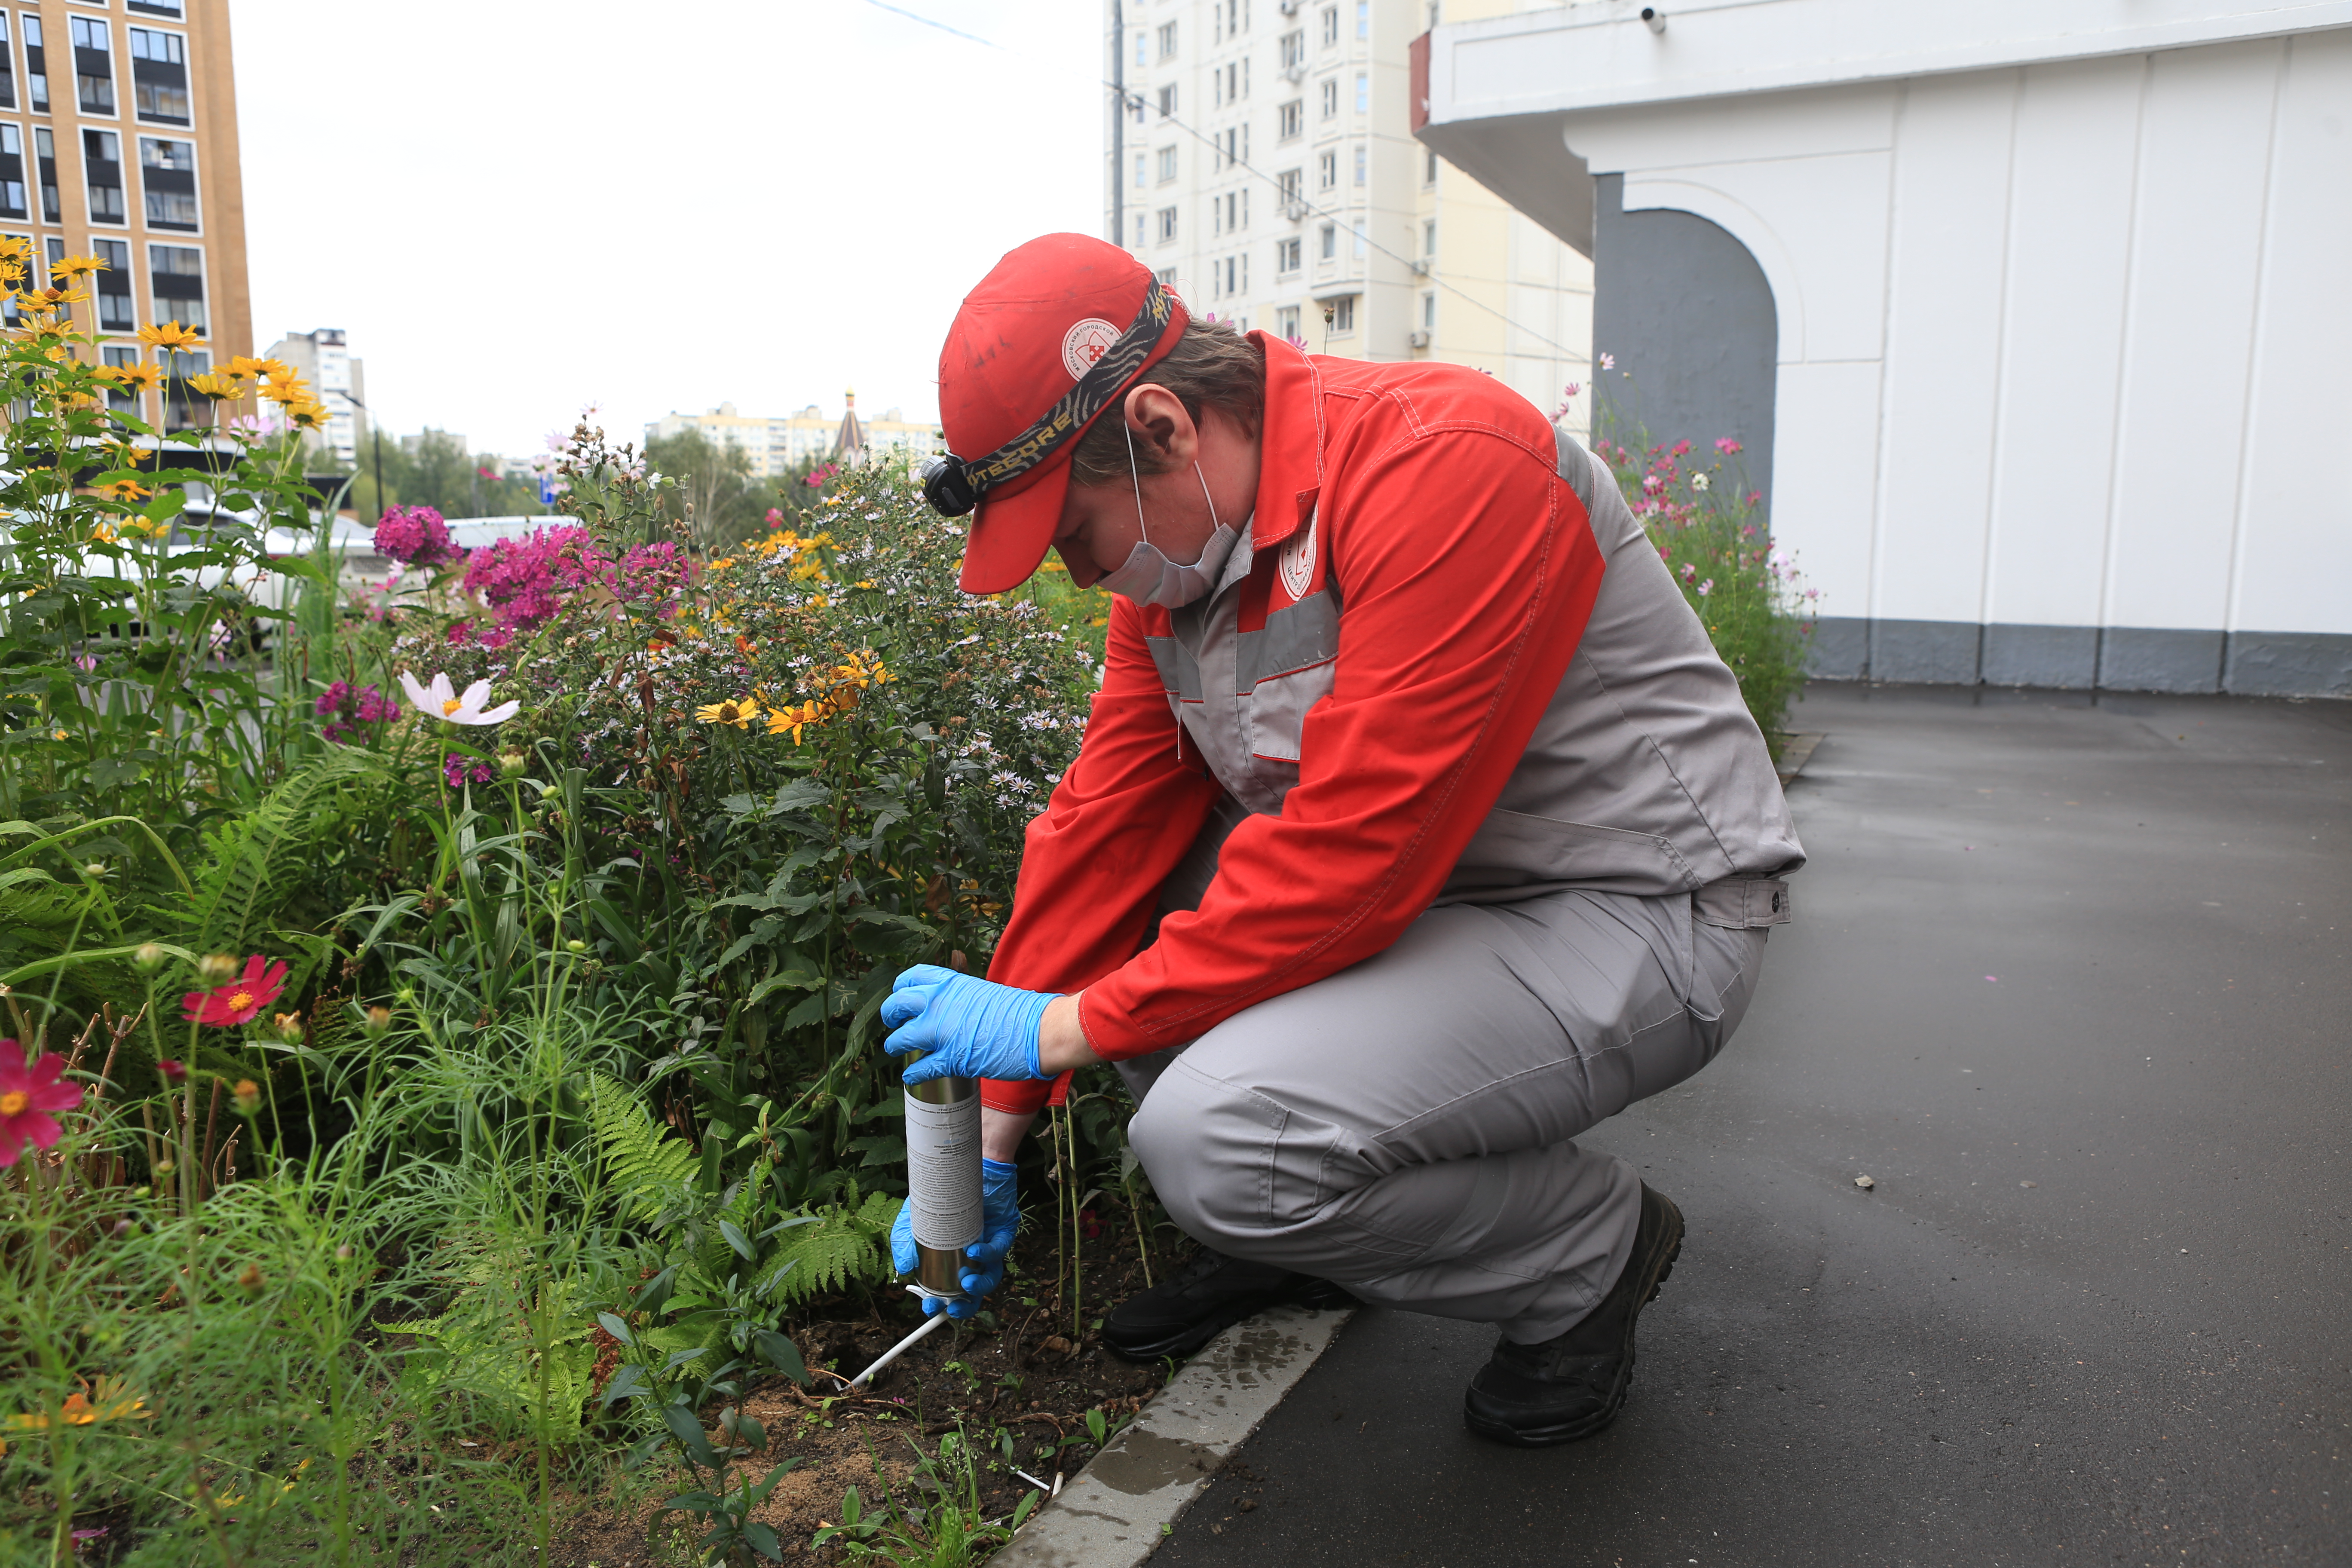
[943, 1170]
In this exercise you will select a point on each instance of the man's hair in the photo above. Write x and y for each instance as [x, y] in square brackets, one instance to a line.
[1210, 367]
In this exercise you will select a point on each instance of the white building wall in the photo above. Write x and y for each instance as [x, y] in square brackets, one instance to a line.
[2062, 344]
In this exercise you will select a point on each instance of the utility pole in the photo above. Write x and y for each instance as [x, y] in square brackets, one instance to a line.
[1117, 123]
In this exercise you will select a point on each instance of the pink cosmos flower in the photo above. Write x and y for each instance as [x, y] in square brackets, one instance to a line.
[28, 1095]
[241, 1000]
[1706, 587]
[1609, 361]
[1725, 444]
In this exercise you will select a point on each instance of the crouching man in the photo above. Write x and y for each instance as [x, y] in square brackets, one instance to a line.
[1417, 827]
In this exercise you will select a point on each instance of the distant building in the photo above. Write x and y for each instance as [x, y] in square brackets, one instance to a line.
[130, 154]
[324, 360]
[1263, 167]
[776, 447]
[412, 445]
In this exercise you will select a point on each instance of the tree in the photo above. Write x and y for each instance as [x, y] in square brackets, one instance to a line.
[438, 472]
[715, 488]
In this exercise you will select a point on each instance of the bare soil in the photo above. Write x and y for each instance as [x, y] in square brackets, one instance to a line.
[1027, 1376]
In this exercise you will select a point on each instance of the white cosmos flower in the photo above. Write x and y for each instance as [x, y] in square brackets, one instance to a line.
[439, 700]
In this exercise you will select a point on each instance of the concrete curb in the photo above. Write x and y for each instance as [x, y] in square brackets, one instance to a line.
[1116, 1512]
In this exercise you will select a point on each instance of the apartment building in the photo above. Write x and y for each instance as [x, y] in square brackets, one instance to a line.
[324, 359]
[117, 139]
[776, 446]
[1263, 165]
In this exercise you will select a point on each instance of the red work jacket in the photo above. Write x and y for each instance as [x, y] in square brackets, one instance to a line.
[1462, 568]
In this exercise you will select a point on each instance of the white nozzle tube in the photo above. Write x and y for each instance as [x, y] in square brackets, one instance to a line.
[894, 1351]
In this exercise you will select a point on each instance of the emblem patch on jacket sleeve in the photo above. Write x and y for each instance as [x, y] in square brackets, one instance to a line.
[1297, 563]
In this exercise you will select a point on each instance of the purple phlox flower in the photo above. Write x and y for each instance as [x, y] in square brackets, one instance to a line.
[376, 707]
[416, 535]
[457, 770]
[332, 700]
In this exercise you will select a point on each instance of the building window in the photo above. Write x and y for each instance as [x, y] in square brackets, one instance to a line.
[122, 356]
[1363, 18]
[1139, 221]
[1290, 120]
[1429, 166]
[183, 409]
[1285, 324]
[1166, 164]
[1429, 237]
[1142, 171]
[1330, 26]
[1341, 314]
[175, 276]
[1294, 49]
[1166, 277]
[1142, 46]
[158, 75]
[36, 67]
[11, 172]
[167, 172]
[1357, 229]
[1167, 102]
[116, 314]
[155, 8]
[1326, 169]
[1287, 184]
[1363, 93]
[101, 161]
[1167, 40]
[1330, 90]
[8, 68]
[1363, 155]
[93, 64]
[1287, 255]
[1166, 225]
[1330, 243]
[1429, 312]
[45, 159]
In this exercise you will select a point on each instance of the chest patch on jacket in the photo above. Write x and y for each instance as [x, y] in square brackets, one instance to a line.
[1297, 563]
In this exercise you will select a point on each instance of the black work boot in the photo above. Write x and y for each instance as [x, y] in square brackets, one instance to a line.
[1206, 1297]
[1572, 1385]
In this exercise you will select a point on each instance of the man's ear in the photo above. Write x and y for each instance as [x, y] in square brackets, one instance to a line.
[1163, 426]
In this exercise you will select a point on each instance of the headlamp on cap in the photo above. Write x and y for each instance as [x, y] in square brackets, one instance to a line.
[947, 485]
[954, 486]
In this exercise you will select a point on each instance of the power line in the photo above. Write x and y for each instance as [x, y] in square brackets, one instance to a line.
[1209, 140]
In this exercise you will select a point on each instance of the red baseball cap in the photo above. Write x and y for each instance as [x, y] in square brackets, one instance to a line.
[1052, 336]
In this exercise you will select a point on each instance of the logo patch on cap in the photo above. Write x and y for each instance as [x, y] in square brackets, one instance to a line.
[1084, 343]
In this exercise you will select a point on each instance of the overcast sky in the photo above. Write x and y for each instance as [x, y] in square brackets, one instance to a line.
[516, 207]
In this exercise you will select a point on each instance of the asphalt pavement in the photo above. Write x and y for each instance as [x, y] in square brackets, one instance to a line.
[2071, 981]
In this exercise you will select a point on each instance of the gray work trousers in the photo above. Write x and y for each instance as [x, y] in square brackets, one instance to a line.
[1406, 1126]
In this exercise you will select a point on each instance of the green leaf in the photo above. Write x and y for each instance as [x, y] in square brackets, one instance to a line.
[783, 1355]
[629, 1382]
[689, 1433]
[761, 1539]
[736, 1239]
[616, 1327]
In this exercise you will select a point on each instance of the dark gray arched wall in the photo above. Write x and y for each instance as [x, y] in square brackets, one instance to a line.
[1683, 306]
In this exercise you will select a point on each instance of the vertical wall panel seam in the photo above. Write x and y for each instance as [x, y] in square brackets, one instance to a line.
[2264, 249]
[1999, 361]
[1879, 478]
[2122, 370]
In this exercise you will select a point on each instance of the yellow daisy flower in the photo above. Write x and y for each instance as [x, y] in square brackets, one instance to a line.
[171, 335]
[740, 711]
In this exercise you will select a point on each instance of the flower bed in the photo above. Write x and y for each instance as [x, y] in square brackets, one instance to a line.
[442, 1065]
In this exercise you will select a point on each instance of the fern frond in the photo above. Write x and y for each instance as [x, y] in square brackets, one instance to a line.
[649, 1166]
[255, 859]
[843, 1246]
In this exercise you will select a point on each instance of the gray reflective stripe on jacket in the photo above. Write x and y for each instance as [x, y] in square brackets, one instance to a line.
[1645, 775]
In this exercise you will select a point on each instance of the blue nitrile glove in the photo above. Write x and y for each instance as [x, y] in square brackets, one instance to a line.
[972, 1028]
[1000, 1212]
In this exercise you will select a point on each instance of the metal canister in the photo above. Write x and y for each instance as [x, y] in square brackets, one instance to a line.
[943, 1179]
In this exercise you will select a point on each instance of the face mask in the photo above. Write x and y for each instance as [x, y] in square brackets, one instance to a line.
[1148, 577]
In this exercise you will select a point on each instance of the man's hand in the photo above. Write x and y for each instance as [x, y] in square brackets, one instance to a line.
[999, 1217]
[972, 1028]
